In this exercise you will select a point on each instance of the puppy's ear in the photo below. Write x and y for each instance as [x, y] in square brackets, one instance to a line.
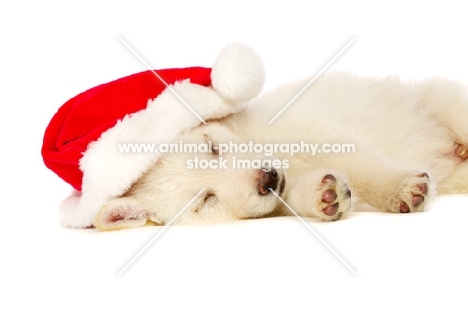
[121, 213]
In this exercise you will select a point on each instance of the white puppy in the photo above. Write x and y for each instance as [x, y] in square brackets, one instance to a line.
[408, 141]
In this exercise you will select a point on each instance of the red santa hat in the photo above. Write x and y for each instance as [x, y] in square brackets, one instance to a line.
[81, 141]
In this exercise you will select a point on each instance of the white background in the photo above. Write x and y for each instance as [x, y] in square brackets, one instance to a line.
[51, 51]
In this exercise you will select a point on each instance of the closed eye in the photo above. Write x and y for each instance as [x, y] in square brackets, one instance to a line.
[214, 145]
[209, 200]
[209, 197]
[215, 149]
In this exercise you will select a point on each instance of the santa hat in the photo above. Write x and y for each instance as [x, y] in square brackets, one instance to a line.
[81, 141]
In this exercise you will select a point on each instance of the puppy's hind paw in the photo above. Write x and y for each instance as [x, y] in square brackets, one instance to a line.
[121, 213]
[461, 151]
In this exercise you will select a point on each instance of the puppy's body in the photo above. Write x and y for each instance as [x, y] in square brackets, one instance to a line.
[410, 139]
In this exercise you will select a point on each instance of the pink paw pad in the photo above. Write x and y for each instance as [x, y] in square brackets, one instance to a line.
[417, 197]
[329, 196]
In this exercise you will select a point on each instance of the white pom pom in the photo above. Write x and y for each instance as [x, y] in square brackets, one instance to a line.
[238, 73]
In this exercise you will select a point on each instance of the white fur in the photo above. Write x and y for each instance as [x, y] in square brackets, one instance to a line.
[403, 132]
[399, 129]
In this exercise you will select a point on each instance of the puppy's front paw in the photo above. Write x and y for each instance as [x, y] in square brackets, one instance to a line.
[321, 194]
[333, 198]
[412, 194]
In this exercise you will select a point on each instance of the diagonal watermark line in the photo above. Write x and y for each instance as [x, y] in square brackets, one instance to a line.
[161, 79]
[160, 232]
[315, 233]
[313, 79]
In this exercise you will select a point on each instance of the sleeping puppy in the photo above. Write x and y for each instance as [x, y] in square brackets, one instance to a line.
[384, 142]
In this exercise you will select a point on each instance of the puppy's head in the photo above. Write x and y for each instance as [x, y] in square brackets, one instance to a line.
[208, 176]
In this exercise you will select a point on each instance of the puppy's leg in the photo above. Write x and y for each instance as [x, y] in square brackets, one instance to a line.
[378, 182]
[447, 101]
[121, 213]
[323, 194]
[457, 182]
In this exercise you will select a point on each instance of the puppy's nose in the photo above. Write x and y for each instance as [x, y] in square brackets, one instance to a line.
[267, 180]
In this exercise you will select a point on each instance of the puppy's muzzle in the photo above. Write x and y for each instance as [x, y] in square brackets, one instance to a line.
[270, 179]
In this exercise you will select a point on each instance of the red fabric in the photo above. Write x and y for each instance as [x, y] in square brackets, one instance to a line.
[85, 117]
